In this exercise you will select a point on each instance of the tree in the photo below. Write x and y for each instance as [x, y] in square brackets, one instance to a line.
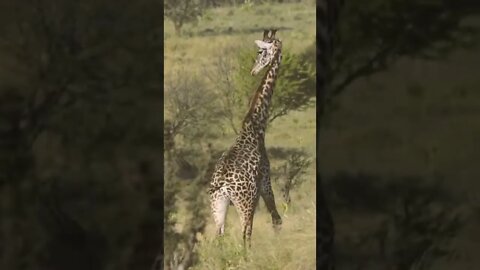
[291, 173]
[294, 87]
[373, 36]
[191, 115]
[181, 12]
[418, 220]
[369, 38]
[232, 81]
[70, 118]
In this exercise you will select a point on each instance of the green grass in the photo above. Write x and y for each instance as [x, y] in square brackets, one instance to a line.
[294, 246]
[386, 125]
[192, 51]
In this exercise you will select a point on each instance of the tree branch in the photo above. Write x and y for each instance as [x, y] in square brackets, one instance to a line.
[374, 64]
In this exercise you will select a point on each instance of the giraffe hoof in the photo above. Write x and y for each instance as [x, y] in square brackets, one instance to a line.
[277, 220]
[277, 224]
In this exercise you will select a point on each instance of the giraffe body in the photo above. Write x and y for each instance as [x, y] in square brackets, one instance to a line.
[242, 174]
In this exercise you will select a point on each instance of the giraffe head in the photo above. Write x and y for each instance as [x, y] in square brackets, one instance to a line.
[268, 49]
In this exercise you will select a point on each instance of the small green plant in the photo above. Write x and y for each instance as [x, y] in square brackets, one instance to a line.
[291, 174]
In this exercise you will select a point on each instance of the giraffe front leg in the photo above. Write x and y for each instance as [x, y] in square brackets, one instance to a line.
[219, 205]
[269, 199]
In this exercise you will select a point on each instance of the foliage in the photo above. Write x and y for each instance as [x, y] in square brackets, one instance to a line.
[170, 235]
[294, 87]
[181, 12]
[234, 85]
[191, 113]
[373, 35]
[292, 173]
[83, 113]
[190, 106]
[413, 220]
[190, 128]
[231, 101]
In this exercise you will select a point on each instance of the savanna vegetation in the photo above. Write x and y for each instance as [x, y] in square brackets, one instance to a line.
[82, 161]
[407, 218]
[207, 90]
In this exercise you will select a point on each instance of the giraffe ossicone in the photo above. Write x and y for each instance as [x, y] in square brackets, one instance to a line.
[242, 174]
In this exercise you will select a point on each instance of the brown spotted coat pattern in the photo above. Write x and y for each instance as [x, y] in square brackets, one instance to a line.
[242, 174]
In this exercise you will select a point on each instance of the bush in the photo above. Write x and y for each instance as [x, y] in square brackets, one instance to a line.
[191, 110]
[294, 87]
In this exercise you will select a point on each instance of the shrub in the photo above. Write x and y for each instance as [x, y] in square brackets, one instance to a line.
[294, 87]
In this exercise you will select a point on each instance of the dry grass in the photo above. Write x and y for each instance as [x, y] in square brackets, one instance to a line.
[294, 246]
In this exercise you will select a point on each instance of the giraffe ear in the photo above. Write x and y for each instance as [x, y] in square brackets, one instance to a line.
[262, 44]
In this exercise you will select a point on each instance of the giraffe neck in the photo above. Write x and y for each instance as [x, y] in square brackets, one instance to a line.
[257, 116]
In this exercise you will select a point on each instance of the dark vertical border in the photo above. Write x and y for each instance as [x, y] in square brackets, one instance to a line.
[163, 147]
[327, 12]
[158, 264]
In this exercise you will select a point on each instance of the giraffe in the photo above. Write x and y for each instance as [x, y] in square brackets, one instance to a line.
[242, 173]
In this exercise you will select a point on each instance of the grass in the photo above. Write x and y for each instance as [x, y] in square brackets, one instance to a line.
[228, 29]
[417, 118]
[196, 49]
[292, 248]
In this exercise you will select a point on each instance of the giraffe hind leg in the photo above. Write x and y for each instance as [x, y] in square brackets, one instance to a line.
[247, 228]
[219, 205]
[246, 211]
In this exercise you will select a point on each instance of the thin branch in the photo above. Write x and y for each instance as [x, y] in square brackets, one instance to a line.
[368, 68]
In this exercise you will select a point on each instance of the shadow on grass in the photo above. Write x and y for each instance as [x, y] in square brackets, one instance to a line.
[282, 153]
[231, 31]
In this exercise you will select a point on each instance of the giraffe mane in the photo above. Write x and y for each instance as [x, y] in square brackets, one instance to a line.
[254, 98]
